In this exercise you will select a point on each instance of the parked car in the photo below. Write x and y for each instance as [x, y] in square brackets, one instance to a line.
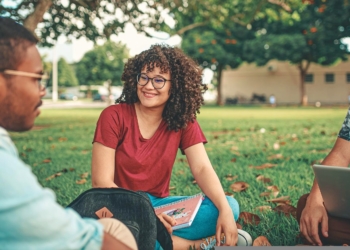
[99, 97]
[68, 96]
[102, 98]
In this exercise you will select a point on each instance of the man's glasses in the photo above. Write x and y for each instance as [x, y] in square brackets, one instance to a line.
[41, 78]
[157, 82]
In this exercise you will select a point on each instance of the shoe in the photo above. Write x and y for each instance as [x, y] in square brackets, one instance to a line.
[244, 239]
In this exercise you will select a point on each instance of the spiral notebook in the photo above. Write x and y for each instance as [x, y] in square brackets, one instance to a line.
[184, 211]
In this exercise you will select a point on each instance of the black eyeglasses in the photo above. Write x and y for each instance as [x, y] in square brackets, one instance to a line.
[158, 82]
[41, 78]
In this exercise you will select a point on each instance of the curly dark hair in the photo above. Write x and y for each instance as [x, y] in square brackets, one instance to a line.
[14, 41]
[187, 88]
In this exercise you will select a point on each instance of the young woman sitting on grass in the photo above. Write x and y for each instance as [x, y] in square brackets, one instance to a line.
[136, 143]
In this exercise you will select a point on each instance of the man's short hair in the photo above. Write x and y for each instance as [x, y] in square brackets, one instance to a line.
[14, 41]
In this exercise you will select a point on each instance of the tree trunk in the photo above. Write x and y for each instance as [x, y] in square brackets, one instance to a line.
[303, 71]
[219, 100]
[33, 19]
[109, 89]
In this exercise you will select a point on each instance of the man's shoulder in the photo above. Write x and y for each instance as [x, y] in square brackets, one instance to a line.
[6, 143]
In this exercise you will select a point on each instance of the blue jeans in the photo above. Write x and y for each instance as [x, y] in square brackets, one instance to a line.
[204, 224]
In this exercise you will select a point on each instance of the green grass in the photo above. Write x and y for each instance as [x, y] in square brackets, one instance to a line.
[235, 141]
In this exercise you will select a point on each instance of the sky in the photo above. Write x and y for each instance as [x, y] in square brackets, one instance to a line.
[136, 43]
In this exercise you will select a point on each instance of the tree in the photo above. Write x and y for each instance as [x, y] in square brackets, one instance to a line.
[65, 75]
[311, 34]
[103, 64]
[213, 32]
[92, 19]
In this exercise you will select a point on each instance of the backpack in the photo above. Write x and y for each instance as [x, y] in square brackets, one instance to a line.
[134, 209]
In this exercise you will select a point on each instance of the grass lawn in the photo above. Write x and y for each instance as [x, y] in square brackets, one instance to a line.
[239, 139]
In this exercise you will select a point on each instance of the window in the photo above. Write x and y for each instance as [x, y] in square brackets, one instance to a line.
[309, 78]
[348, 77]
[329, 78]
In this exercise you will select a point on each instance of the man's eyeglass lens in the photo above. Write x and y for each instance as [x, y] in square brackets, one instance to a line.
[157, 82]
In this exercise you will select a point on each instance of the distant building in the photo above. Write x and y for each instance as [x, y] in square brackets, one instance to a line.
[328, 85]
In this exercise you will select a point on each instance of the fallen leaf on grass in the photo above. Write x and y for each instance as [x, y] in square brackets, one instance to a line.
[249, 218]
[286, 210]
[282, 199]
[274, 190]
[261, 241]
[263, 166]
[84, 175]
[62, 139]
[276, 146]
[233, 160]
[182, 160]
[82, 181]
[263, 208]
[180, 172]
[172, 188]
[230, 177]
[47, 160]
[239, 186]
[229, 194]
[263, 178]
[265, 194]
[53, 176]
[276, 156]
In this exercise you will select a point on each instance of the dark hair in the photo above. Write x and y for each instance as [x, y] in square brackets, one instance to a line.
[14, 41]
[186, 91]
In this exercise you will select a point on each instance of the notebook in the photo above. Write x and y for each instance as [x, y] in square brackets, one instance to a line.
[184, 211]
[334, 183]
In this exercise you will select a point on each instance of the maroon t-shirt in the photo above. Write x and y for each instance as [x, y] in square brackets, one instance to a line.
[143, 164]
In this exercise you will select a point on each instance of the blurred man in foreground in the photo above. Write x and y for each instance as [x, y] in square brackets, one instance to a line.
[30, 217]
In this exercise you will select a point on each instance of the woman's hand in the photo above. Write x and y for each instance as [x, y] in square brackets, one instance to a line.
[226, 225]
[167, 221]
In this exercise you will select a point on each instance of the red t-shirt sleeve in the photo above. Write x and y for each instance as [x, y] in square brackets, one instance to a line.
[192, 135]
[109, 127]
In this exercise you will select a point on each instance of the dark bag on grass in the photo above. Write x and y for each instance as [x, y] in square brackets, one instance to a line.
[134, 209]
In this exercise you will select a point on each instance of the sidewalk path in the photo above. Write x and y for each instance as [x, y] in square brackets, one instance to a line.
[48, 104]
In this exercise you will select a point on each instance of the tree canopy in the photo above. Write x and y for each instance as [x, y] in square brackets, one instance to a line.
[101, 64]
[92, 19]
[65, 74]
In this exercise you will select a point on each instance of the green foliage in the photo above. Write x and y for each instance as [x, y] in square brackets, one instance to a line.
[82, 18]
[314, 35]
[65, 74]
[103, 63]
[61, 143]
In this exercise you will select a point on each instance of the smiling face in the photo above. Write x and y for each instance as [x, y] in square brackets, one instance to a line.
[20, 96]
[150, 97]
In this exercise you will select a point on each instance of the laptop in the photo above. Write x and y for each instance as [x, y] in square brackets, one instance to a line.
[334, 183]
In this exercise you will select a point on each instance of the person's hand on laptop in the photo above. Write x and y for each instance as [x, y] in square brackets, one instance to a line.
[312, 216]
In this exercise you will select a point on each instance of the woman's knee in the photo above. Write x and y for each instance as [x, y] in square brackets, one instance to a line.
[234, 206]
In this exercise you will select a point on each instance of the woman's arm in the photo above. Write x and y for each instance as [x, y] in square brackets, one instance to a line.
[102, 166]
[209, 183]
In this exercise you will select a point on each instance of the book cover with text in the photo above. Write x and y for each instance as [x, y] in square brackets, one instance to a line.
[184, 210]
